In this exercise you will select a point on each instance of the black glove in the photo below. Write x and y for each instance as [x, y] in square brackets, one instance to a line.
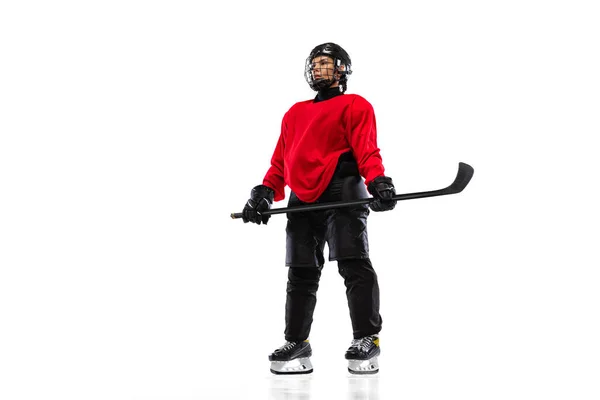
[261, 199]
[382, 189]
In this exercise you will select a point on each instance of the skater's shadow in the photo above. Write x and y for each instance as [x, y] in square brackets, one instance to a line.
[363, 387]
[290, 387]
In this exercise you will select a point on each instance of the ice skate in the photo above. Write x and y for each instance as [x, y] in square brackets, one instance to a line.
[292, 358]
[362, 355]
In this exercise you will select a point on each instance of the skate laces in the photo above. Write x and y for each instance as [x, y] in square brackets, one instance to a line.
[288, 345]
[364, 343]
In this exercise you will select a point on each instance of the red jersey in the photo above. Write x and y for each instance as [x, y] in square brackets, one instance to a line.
[313, 136]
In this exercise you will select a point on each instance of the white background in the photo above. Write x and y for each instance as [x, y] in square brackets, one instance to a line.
[130, 130]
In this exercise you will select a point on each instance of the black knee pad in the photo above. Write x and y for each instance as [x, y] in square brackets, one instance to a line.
[304, 278]
[362, 269]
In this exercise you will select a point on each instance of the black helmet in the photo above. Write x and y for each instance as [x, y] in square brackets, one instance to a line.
[340, 57]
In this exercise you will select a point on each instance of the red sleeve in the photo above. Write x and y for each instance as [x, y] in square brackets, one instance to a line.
[274, 176]
[362, 136]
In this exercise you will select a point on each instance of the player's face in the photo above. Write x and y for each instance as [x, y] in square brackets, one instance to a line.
[322, 67]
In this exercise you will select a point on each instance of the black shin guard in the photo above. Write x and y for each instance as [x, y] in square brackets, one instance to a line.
[302, 286]
[362, 292]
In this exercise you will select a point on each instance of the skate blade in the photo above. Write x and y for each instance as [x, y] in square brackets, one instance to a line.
[295, 366]
[363, 366]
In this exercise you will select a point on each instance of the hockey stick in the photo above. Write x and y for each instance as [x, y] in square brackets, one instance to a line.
[463, 176]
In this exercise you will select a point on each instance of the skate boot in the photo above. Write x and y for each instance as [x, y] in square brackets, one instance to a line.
[362, 355]
[292, 358]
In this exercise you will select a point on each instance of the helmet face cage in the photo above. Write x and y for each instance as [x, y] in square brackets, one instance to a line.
[340, 58]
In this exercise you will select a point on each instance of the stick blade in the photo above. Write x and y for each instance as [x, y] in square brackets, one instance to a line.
[463, 177]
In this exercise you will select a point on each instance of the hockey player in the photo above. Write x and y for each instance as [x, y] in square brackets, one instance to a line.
[326, 146]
